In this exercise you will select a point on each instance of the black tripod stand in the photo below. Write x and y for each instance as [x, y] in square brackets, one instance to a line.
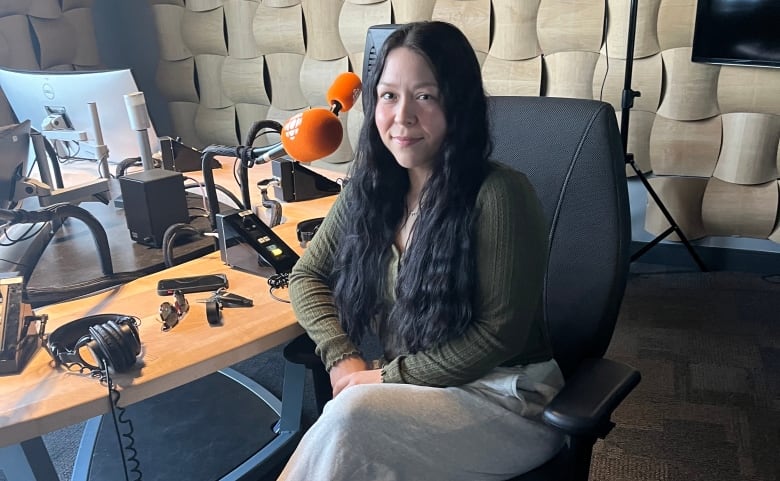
[627, 102]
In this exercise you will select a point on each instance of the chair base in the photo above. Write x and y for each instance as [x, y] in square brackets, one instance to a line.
[223, 426]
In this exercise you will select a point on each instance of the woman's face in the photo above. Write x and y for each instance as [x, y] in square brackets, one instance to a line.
[409, 113]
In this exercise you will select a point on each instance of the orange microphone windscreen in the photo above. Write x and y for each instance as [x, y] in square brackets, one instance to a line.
[312, 134]
[344, 90]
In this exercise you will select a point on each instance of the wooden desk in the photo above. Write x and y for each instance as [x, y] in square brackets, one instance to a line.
[42, 399]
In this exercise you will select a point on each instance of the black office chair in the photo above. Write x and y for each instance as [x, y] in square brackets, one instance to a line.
[571, 151]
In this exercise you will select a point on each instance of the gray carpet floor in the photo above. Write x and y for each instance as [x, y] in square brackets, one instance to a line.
[708, 406]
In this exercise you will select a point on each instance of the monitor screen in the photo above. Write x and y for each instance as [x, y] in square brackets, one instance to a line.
[737, 32]
[34, 95]
[14, 148]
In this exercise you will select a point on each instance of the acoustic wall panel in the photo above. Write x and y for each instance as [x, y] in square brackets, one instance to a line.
[749, 151]
[19, 7]
[742, 210]
[317, 76]
[204, 32]
[50, 9]
[471, 16]
[570, 74]
[239, 15]
[242, 81]
[690, 88]
[515, 36]
[354, 21]
[216, 126]
[247, 115]
[749, 89]
[506, 77]
[640, 124]
[322, 29]
[675, 23]
[278, 30]
[682, 197]
[16, 47]
[168, 22]
[406, 11]
[183, 120]
[209, 72]
[284, 70]
[176, 80]
[203, 5]
[49, 33]
[646, 78]
[684, 147]
[73, 4]
[646, 39]
[280, 3]
[571, 25]
[86, 43]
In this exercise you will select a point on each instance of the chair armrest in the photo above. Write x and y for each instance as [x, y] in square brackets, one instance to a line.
[584, 406]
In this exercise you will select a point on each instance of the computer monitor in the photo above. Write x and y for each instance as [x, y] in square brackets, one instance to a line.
[14, 150]
[34, 95]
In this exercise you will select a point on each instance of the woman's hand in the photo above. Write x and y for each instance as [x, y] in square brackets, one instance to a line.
[374, 376]
[344, 368]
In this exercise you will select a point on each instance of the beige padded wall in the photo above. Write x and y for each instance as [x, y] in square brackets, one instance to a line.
[63, 31]
[695, 126]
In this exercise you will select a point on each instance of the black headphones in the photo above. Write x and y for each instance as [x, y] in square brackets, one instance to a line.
[111, 338]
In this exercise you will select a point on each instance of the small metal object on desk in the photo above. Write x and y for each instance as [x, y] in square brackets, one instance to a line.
[228, 299]
[171, 314]
[221, 299]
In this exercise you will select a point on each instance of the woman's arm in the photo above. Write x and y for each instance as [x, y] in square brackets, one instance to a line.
[311, 296]
[511, 246]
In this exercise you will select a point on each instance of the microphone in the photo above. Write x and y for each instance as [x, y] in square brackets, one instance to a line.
[139, 121]
[343, 92]
[315, 133]
[306, 136]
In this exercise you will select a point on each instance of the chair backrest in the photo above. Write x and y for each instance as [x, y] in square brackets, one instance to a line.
[571, 151]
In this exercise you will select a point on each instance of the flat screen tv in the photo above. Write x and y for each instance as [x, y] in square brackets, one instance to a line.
[737, 32]
[33, 95]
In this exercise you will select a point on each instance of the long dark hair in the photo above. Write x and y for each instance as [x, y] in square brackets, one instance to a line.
[436, 281]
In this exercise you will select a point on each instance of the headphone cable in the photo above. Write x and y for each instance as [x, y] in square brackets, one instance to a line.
[118, 416]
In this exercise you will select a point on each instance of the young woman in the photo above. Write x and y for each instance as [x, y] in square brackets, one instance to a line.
[440, 253]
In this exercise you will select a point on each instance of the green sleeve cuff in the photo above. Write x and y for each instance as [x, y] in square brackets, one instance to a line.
[391, 372]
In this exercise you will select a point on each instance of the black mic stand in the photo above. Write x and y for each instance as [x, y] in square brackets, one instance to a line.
[627, 102]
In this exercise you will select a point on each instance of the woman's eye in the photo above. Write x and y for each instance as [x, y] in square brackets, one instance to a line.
[387, 96]
[425, 97]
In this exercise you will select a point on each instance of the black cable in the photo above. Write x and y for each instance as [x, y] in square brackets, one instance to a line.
[27, 235]
[129, 448]
[606, 55]
[121, 167]
[280, 280]
[220, 188]
[255, 130]
[170, 236]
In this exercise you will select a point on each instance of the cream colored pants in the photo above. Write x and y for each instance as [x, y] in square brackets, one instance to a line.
[485, 430]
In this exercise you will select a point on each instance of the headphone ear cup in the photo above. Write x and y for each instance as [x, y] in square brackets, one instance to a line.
[109, 346]
[128, 347]
[100, 345]
[121, 356]
[130, 333]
